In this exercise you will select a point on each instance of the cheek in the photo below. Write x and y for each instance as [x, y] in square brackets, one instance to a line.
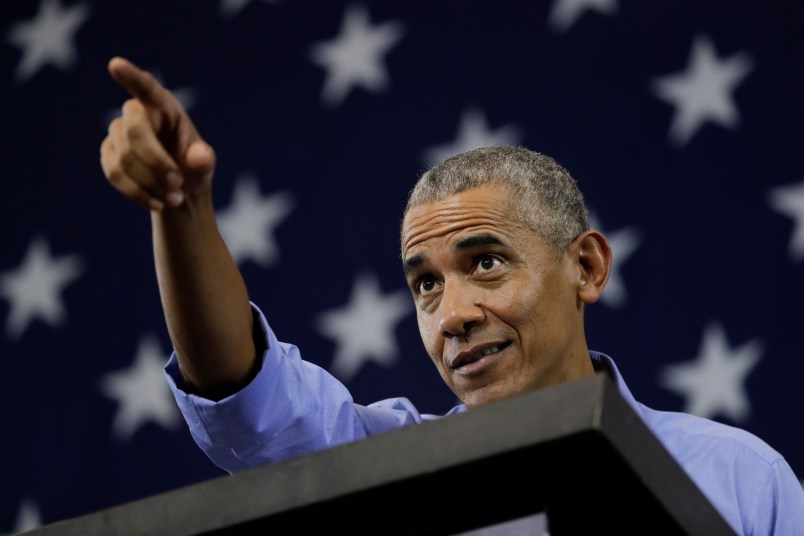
[548, 309]
[429, 333]
[536, 308]
[524, 303]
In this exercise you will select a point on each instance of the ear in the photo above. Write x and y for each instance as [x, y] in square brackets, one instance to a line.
[593, 256]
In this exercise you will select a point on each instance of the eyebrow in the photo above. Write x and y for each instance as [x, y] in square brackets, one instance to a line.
[410, 265]
[479, 240]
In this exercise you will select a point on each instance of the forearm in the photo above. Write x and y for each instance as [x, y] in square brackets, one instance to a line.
[155, 157]
[204, 298]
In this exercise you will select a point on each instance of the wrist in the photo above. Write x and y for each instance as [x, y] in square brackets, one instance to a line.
[196, 206]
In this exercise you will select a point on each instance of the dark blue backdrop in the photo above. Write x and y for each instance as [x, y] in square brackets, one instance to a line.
[682, 120]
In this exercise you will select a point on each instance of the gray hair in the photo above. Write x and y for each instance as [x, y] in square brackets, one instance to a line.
[544, 195]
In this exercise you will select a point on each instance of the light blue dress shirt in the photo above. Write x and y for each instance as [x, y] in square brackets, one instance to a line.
[293, 407]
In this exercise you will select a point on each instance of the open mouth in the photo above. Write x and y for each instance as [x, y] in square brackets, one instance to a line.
[467, 358]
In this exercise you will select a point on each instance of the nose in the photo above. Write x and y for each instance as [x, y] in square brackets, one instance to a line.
[459, 310]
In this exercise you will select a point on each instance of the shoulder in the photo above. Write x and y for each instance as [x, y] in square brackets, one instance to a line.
[747, 480]
[682, 431]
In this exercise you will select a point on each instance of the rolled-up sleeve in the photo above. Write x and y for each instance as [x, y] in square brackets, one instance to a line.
[291, 407]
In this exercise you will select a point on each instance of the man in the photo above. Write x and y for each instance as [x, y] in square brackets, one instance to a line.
[501, 262]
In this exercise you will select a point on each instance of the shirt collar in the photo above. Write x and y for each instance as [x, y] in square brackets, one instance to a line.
[602, 362]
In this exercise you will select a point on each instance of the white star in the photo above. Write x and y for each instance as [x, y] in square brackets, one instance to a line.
[186, 97]
[703, 92]
[566, 12]
[713, 383]
[230, 8]
[34, 289]
[789, 201]
[623, 243]
[28, 518]
[141, 392]
[473, 132]
[364, 329]
[247, 225]
[48, 37]
[354, 57]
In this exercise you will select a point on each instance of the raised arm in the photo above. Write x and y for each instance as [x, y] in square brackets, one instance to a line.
[155, 157]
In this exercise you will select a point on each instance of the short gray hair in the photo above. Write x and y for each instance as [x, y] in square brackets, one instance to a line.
[544, 195]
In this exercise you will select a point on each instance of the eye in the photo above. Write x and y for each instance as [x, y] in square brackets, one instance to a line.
[426, 284]
[486, 263]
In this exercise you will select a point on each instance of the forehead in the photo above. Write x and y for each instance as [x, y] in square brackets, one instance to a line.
[484, 209]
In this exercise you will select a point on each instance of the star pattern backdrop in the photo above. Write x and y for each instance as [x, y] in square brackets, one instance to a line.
[682, 121]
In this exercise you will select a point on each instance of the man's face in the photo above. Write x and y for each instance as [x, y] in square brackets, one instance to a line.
[498, 309]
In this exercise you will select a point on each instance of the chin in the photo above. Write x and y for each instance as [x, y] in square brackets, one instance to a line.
[493, 393]
[482, 397]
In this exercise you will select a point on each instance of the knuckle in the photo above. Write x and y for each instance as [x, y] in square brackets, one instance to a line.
[114, 175]
[126, 158]
[131, 106]
[114, 126]
[136, 131]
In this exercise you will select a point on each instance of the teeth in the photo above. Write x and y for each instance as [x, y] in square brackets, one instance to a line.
[489, 350]
[481, 354]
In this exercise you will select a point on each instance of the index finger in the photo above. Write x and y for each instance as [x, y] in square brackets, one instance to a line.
[141, 84]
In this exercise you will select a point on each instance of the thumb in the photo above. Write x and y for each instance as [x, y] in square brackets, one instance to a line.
[199, 158]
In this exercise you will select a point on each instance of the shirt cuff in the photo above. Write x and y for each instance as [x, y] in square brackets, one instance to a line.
[234, 417]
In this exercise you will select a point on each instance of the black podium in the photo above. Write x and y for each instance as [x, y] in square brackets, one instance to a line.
[576, 452]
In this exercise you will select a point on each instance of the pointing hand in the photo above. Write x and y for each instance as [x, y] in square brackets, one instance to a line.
[153, 153]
